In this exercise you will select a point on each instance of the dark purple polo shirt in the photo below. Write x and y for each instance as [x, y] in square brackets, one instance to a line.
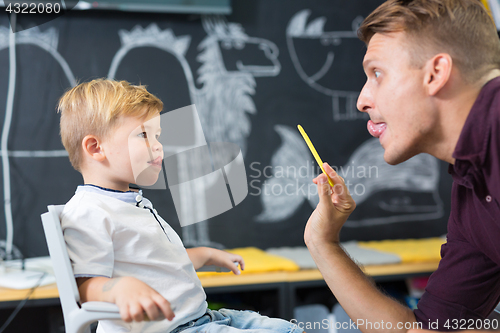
[467, 283]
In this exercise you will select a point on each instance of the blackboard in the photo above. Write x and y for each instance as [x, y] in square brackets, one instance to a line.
[301, 64]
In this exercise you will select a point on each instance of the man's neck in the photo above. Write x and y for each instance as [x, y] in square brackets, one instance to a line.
[456, 105]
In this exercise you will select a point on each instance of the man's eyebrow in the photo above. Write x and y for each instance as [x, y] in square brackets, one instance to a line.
[366, 62]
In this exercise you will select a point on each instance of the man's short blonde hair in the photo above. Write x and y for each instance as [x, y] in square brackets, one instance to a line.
[93, 108]
[461, 28]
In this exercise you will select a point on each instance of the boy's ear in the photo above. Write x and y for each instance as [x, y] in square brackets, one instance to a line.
[438, 71]
[92, 148]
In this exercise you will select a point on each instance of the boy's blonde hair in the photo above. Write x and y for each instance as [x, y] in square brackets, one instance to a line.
[461, 28]
[93, 108]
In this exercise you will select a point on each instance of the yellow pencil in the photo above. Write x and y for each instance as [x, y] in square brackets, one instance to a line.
[314, 152]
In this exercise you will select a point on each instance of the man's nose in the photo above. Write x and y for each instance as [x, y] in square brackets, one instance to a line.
[365, 100]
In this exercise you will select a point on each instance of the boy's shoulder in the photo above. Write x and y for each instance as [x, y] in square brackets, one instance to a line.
[85, 203]
[98, 204]
[81, 204]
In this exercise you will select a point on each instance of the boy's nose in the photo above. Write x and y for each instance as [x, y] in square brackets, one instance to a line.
[157, 146]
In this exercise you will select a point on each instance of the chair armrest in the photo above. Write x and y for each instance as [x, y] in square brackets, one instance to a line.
[100, 307]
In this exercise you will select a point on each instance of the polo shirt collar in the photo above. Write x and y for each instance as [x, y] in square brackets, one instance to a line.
[473, 142]
[472, 145]
[128, 196]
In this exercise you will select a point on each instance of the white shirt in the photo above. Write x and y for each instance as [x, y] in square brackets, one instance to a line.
[108, 234]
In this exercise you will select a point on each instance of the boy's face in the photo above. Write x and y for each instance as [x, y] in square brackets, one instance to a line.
[133, 152]
[394, 97]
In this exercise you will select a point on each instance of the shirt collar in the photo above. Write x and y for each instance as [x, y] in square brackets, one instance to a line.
[128, 196]
[472, 144]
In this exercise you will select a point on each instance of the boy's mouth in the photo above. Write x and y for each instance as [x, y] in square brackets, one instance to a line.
[156, 162]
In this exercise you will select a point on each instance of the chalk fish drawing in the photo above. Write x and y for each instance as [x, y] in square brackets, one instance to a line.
[323, 73]
[383, 193]
[224, 98]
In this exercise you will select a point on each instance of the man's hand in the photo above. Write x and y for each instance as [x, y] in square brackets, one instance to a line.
[335, 206]
[134, 298]
[226, 260]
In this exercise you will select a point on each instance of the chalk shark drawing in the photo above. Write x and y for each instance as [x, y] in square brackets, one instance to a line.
[224, 99]
[320, 56]
[383, 193]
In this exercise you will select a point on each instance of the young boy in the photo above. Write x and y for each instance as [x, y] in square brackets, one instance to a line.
[122, 251]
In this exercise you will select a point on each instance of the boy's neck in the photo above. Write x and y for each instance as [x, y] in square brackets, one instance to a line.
[105, 183]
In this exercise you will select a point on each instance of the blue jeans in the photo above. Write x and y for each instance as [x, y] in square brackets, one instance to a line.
[234, 321]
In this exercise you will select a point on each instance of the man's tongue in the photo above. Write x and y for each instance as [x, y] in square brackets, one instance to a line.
[376, 129]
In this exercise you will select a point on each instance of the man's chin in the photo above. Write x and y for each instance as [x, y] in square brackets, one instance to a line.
[393, 158]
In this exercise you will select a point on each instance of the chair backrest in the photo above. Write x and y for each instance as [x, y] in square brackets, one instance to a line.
[66, 283]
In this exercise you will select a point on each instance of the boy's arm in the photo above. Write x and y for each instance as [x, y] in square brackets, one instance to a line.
[133, 297]
[201, 256]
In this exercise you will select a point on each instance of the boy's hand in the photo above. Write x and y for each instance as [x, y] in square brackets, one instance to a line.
[225, 259]
[134, 298]
[335, 206]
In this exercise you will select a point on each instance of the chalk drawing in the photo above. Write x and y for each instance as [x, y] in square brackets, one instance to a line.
[405, 192]
[47, 41]
[343, 101]
[224, 98]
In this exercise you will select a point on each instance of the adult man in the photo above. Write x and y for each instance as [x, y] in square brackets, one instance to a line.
[432, 87]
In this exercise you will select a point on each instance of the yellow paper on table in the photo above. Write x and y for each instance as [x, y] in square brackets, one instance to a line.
[258, 261]
[409, 250]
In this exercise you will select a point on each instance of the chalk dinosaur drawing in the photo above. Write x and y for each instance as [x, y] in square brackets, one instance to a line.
[323, 73]
[224, 98]
[48, 41]
[224, 101]
[383, 193]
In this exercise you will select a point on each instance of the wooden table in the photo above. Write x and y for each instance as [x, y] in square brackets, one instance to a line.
[285, 282]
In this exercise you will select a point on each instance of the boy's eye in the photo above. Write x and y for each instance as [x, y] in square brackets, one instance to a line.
[143, 135]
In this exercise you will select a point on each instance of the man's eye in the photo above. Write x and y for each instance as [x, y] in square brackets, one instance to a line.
[377, 74]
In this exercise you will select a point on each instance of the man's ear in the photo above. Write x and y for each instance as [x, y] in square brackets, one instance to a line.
[438, 71]
[92, 148]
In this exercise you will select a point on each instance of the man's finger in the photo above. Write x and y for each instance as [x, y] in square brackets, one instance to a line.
[339, 188]
[324, 189]
[332, 174]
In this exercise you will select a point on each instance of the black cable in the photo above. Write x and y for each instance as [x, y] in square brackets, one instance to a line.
[21, 304]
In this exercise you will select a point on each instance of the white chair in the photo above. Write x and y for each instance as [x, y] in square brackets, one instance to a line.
[77, 318]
